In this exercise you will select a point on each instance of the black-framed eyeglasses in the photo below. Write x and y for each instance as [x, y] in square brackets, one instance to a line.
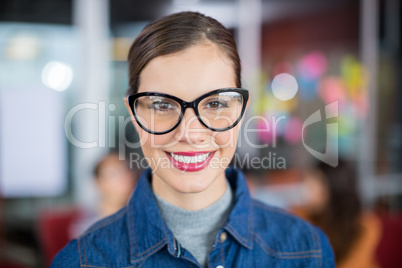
[218, 110]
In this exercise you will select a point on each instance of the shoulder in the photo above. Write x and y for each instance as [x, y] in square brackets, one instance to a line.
[272, 219]
[107, 237]
[67, 257]
[371, 231]
[363, 249]
[281, 234]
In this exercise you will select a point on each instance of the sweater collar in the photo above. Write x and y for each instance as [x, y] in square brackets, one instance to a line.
[148, 233]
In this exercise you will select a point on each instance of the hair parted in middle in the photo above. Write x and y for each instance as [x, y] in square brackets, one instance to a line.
[175, 33]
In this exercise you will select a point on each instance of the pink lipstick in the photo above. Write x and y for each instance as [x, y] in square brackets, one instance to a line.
[190, 161]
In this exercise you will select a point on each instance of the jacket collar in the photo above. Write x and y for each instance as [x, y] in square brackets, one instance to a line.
[148, 233]
[240, 223]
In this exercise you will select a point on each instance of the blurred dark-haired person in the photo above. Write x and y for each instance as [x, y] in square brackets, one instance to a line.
[115, 182]
[334, 205]
[189, 208]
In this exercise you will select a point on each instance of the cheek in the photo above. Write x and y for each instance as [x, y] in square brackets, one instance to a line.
[226, 140]
[226, 145]
[152, 144]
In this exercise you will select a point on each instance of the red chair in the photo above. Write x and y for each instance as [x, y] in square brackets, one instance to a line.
[9, 265]
[54, 230]
[389, 249]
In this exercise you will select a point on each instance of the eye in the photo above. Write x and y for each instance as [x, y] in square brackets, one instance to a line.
[216, 104]
[161, 106]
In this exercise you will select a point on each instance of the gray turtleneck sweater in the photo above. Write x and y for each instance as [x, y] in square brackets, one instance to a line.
[196, 230]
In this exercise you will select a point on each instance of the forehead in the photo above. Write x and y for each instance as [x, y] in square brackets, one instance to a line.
[189, 73]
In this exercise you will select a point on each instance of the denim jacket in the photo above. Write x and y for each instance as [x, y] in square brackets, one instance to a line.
[255, 235]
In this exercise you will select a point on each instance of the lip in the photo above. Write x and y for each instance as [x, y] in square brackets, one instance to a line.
[191, 153]
[190, 167]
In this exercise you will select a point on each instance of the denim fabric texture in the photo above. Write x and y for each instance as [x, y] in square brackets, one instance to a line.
[255, 235]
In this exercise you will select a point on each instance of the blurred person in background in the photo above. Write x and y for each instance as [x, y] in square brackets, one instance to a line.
[115, 183]
[333, 204]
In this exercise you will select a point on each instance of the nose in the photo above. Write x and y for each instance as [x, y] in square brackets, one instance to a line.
[190, 129]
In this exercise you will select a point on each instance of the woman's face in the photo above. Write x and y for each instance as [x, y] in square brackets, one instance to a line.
[188, 75]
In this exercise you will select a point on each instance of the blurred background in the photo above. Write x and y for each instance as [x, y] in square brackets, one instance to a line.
[325, 120]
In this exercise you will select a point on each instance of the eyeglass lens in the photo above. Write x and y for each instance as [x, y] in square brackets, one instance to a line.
[160, 113]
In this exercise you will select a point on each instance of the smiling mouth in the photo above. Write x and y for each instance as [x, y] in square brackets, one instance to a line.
[190, 161]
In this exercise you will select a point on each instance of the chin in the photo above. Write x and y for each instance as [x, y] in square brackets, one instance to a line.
[191, 182]
[190, 189]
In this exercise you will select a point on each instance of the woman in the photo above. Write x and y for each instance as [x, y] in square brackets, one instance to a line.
[189, 209]
[115, 182]
[336, 208]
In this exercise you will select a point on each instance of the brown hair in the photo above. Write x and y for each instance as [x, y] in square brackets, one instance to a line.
[174, 33]
[340, 219]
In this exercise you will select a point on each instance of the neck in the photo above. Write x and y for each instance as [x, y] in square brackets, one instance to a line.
[190, 201]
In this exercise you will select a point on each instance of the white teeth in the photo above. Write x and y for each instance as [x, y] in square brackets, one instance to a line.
[190, 159]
